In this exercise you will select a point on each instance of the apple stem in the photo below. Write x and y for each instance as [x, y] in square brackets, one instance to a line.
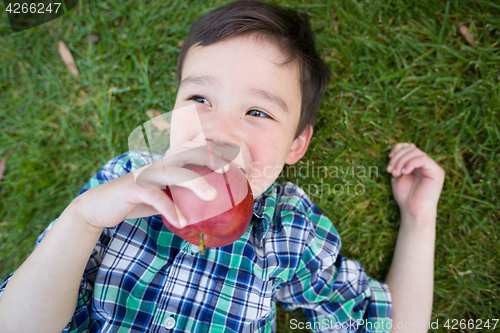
[202, 244]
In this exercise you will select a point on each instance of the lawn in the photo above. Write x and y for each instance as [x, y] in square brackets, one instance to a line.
[402, 71]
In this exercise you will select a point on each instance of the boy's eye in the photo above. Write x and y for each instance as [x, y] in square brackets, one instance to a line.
[254, 112]
[199, 99]
[261, 113]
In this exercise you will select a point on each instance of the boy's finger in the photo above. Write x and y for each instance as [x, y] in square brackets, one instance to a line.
[162, 203]
[397, 166]
[197, 184]
[174, 176]
[426, 166]
[211, 147]
[214, 155]
[159, 175]
[222, 169]
[199, 155]
[397, 147]
[414, 163]
[397, 155]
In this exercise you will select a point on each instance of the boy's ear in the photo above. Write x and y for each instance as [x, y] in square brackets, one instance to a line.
[299, 146]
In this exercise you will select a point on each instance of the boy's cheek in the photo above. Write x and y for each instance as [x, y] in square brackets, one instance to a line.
[261, 177]
[185, 125]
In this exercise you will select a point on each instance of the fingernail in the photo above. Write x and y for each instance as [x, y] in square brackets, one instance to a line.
[224, 169]
[391, 154]
[216, 152]
[389, 168]
[402, 171]
[210, 191]
[182, 219]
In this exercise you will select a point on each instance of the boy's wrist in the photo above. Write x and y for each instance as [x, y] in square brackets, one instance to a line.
[428, 218]
[78, 221]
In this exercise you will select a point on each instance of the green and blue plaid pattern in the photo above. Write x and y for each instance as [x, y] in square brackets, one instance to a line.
[143, 278]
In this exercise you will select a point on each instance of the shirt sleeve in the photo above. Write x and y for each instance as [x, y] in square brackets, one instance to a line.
[336, 293]
[115, 168]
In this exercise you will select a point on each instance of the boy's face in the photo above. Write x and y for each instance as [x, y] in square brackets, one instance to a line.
[243, 96]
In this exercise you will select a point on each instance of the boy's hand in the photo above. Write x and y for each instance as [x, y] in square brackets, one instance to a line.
[418, 181]
[125, 197]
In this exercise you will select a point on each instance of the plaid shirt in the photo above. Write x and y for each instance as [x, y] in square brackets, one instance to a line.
[143, 278]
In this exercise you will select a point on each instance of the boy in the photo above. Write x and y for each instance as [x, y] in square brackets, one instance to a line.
[256, 80]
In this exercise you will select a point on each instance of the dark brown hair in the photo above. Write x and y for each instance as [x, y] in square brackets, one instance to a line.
[287, 28]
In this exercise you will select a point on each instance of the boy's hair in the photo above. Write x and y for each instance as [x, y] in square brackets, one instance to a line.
[287, 28]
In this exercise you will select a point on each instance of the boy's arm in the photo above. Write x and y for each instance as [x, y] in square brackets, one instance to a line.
[26, 305]
[411, 275]
[335, 291]
[48, 273]
[42, 295]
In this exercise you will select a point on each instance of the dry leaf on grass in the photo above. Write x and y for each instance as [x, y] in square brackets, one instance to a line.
[464, 30]
[92, 39]
[67, 58]
[2, 164]
[158, 122]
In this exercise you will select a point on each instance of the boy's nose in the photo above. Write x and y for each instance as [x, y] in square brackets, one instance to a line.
[226, 143]
[222, 128]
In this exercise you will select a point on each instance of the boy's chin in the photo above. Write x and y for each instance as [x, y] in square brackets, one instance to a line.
[261, 186]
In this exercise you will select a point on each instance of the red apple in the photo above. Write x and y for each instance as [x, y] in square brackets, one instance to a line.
[218, 222]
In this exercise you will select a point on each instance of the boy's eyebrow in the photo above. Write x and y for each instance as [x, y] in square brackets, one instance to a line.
[271, 97]
[204, 80]
[207, 80]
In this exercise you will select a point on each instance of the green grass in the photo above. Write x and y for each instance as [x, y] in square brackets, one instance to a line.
[401, 72]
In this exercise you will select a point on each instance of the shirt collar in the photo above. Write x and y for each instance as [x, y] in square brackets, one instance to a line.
[263, 212]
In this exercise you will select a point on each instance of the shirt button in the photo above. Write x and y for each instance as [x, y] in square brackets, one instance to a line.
[195, 248]
[170, 322]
